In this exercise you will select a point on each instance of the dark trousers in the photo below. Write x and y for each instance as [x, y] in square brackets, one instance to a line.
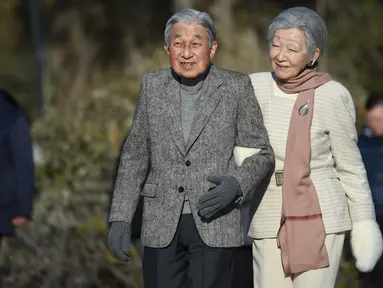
[243, 268]
[187, 262]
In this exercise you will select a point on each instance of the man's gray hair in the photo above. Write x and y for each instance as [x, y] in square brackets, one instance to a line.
[191, 16]
[306, 20]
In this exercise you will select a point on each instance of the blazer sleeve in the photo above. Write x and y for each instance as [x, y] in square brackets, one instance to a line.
[348, 161]
[22, 157]
[134, 163]
[252, 133]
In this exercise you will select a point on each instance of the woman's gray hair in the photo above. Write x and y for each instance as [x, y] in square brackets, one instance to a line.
[306, 20]
[191, 16]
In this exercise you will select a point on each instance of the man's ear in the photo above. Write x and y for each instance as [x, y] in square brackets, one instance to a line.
[213, 49]
[166, 48]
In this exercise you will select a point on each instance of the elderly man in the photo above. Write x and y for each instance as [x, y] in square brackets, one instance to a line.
[179, 158]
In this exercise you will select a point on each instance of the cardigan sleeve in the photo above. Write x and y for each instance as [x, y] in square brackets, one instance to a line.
[343, 138]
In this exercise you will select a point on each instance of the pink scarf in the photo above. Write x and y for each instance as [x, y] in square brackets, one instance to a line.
[301, 237]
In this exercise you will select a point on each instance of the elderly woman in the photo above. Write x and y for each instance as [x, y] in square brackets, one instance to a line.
[319, 189]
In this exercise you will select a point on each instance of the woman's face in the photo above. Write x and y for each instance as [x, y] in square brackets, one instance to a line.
[375, 120]
[289, 53]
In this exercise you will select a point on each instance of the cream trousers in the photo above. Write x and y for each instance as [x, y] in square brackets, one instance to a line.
[268, 270]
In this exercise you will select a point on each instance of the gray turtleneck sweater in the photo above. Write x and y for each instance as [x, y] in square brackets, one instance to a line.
[190, 93]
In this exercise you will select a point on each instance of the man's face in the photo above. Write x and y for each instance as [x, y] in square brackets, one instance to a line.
[189, 51]
[375, 120]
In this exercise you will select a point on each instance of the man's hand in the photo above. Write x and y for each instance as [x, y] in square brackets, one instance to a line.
[226, 191]
[19, 221]
[119, 240]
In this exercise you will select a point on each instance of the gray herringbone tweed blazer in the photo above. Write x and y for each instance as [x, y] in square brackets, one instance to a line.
[156, 163]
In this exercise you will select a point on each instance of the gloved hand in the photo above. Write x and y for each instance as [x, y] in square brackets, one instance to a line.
[119, 240]
[366, 244]
[226, 191]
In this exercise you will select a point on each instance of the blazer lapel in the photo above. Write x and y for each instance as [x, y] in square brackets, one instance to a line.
[209, 99]
[171, 95]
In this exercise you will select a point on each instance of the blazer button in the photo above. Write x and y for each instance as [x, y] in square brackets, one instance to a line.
[187, 163]
[181, 189]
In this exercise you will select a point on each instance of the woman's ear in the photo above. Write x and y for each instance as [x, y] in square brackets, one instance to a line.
[315, 57]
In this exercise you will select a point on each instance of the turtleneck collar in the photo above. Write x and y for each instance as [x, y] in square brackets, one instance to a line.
[192, 84]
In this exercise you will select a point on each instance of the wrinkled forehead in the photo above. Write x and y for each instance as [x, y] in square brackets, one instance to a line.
[188, 31]
[291, 35]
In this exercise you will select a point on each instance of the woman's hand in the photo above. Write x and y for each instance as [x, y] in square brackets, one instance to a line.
[366, 244]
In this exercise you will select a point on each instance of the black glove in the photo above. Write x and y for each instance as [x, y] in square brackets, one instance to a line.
[119, 240]
[226, 191]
